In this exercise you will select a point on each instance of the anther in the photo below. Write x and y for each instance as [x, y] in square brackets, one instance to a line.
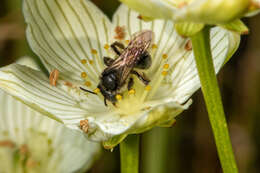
[166, 66]
[182, 4]
[7, 143]
[106, 46]
[154, 46]
[164, 56]
[97, 90]
[131, 91]
[120, 33]
[164, 73]
[188, 45]
[83, 124]
[23, 149]
[118, 97]
[127, 41]
[83, 74]
[91, 62]
[54, 75]
[88, 84]
[83, 61]
[94, 51]
[148, 88]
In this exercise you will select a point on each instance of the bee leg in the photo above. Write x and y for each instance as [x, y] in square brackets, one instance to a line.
[142, 77]
[105, 101]
[108, 61]
[130, 84]
[145, 61]
[117, 47]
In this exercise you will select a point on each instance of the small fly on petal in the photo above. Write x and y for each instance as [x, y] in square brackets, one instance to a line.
[54, 75]
[83, 124]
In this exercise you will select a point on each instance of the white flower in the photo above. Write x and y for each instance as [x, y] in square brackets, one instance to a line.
[73, 36]
[195, 11]
[33, 143]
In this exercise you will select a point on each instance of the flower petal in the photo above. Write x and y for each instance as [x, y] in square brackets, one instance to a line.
[33, 88]
[68, 35]
[54, 147]
[223, 45]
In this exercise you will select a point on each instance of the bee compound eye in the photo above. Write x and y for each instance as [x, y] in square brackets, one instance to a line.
[109, 82]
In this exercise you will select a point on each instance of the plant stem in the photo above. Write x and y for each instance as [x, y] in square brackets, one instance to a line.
[212, 97]
[129, 154]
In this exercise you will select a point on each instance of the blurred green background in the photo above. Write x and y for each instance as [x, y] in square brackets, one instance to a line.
[188, 147]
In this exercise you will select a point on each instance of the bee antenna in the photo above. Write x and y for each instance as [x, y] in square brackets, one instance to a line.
[87, 91]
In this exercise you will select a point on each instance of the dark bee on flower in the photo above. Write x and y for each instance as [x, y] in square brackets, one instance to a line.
[119, 71]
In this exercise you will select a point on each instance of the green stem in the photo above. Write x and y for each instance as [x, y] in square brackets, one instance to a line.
[129, 154]
[209, 85]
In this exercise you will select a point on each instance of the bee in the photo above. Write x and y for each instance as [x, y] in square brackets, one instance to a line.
[118, 71]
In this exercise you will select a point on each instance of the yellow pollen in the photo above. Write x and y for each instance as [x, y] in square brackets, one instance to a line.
[88, 84]
[94, 51]
[164, 73]
[83, 74]
[166, 66]
[97, 90]
[164, 56]
[131, 91]
[127, 41]
[148, 88]
[106, 46]
[91, 62]
[118, 97]
[83, 61]
[154, 46]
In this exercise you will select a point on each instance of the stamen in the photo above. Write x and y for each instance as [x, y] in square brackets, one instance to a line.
[106, 46]
[54, 75]
[148, 88]
[164, 73]
[140, 17]
[23, 150]
[154, 46]
[97, 90]
[83, 125]
[166, 66]
[188, 45]
[91, 62]
[30, 163]
[83, 61]
[164, 56]
[120, 33]
[69, 84]
[7, 143]
[83, 74]
[182, 4]
[131, 91]
[94, 51]
[118, 97]
[88, 84]
[127, 41]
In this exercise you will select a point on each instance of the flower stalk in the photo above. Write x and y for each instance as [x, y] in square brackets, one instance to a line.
[129, 154]
[211, 93]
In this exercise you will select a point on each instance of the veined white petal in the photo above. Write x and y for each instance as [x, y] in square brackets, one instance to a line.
[33, 88]
[68, 35]
[52, 147]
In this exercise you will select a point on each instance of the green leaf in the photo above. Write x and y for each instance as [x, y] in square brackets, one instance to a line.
[236, 26]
